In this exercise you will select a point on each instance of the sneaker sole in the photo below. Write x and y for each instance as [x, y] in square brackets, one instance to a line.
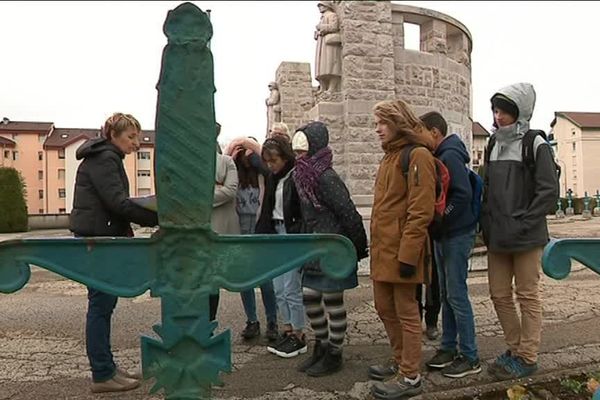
[439, 365]
[289, 355]
[463, 374]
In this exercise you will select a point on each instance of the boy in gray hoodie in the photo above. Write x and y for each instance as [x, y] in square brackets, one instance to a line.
[513, 219]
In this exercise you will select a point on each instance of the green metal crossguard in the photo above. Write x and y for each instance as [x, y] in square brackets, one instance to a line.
[235, 263]
[556, 260]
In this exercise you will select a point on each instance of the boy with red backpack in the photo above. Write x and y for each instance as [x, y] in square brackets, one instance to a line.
[453, 242]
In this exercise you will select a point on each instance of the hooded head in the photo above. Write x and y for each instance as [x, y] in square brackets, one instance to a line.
[311, 138]
[518, 100]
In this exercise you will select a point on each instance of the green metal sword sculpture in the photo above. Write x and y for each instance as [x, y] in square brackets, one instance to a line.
[184, 261]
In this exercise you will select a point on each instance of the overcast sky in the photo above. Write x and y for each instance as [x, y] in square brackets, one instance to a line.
[74, 63]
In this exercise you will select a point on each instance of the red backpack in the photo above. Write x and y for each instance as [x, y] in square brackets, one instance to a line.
[442, 183]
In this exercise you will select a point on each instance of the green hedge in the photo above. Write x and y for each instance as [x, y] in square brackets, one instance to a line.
[13, 208]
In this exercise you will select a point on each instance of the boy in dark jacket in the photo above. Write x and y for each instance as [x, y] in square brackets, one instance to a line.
[452, 249]
[515, 231]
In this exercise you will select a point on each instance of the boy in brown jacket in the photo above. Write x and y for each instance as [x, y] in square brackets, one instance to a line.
[403, 208]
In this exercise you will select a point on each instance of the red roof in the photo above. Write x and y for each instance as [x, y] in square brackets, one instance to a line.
[479, 130]
[61, 137]
[581, 119]
[7, 125]
[4, 142]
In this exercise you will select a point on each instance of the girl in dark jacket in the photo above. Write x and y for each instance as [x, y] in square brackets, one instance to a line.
[101, 207]
[326, 208]
[280, 214]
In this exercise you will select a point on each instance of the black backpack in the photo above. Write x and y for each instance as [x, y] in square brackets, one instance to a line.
[526, 151]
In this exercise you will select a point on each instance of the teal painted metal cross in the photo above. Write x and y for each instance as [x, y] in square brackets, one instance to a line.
[184, 261]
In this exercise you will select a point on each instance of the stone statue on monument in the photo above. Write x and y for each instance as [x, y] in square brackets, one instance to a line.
[273, 106]
[328, 60]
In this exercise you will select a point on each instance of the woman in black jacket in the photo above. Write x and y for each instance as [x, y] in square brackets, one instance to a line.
[101, 207]
[326, 208]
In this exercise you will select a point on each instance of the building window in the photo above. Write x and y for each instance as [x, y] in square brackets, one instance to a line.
[41, 138]
[40, 155]
[143, 155]
[61, 193]
[574, 146]
[144, 192]
[41, 192]
[6, 153]
[61, 154]
[15, 155]
[40, 175]
[41, 211]
[62, 210]
[61, 174]
[143, 172]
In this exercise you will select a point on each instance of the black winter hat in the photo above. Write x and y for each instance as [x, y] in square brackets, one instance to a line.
[505, 104]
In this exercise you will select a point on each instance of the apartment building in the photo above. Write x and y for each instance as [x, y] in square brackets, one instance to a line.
[45, 156]
[577, 140]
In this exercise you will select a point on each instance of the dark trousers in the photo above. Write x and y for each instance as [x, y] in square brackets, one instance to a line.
[433, 304]
[97, 334]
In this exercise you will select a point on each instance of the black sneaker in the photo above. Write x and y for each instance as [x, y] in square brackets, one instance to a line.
[461, 367]
[291, 347]
[441, 359]
[381, 372]
[252, 330]
[278, 342]
[272, 333]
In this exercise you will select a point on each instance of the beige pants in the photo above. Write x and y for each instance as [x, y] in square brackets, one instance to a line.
[522, 335]
[398, 309]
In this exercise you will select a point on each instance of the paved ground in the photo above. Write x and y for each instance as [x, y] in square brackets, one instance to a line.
[42, 352]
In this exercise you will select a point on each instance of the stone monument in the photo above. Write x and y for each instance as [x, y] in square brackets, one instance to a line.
[375, 66]
[570, 211]
[328, 59]
[597, 207]
[273, 106]
[586, 213]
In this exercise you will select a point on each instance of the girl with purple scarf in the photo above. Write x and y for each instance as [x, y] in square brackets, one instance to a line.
[326, 207]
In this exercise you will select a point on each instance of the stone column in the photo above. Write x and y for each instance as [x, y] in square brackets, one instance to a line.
[296, 93]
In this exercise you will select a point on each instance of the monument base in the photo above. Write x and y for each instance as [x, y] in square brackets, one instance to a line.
[570, 211]
[586, 214]
[560, 214]
[597, 212]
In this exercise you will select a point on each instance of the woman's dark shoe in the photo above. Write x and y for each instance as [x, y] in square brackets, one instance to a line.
[252, 330]
[318, 352]
[331, 362]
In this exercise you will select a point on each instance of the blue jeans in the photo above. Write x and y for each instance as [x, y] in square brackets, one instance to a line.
[452, 258]
[288, 292]
[247, 225]
[97, 334]
[268, 297]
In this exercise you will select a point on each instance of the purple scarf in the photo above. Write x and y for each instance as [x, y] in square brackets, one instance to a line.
[307, 173]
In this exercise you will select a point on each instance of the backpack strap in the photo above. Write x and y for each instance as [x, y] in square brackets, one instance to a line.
[405, 158]
[528, 150]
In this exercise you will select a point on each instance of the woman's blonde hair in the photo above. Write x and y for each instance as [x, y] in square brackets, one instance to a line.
[118, 123]
[401, 119]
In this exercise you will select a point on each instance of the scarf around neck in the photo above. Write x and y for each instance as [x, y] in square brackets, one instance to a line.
[307, 173]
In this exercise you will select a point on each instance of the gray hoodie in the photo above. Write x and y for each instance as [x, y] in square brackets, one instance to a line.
[515, 202]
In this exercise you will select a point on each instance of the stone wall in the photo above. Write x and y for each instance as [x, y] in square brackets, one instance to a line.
[296, 93]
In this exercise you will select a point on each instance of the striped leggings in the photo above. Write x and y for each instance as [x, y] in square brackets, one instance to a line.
[332, 330]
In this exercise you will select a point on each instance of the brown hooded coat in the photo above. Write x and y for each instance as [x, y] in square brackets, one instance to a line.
[401, 214]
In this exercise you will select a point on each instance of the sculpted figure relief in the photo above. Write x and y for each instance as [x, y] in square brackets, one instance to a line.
[328, 61]
[273, 106]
